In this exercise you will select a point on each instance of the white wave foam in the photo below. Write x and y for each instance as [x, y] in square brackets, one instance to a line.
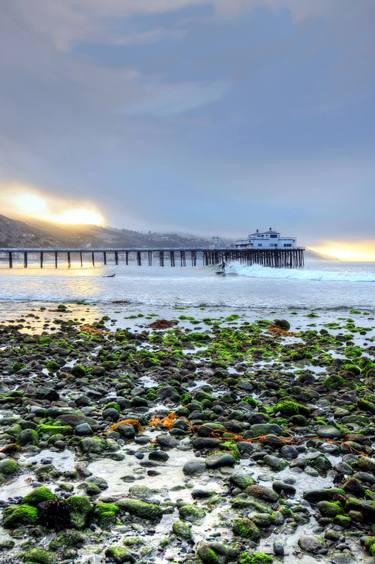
[257, 271]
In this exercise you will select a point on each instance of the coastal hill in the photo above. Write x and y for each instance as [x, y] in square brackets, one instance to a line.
[15, 233]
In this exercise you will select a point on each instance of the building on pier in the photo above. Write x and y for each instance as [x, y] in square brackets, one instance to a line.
[270, 239]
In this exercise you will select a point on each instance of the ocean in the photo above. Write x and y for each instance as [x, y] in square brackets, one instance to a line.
[319, 285]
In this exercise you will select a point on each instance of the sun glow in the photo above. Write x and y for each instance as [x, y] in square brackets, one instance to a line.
[363, 251]
[28, 203]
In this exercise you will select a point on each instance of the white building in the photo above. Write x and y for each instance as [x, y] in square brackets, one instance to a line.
[266, 240]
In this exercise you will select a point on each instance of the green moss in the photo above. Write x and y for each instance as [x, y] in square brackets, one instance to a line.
[106, 513]
[289, 408]
[182, 530]
[17, 515]
[8, 467]
[38, 555]
[207, 554]
[119, 554]
[67, 539]
[45, 428]
[141, 509]
[254, 558]
[37, 495]
[79, 508]
[334, 381]
[190, 512]
[246, 529]
[113, 405]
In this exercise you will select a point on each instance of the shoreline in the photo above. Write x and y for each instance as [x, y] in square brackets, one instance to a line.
[194, 439]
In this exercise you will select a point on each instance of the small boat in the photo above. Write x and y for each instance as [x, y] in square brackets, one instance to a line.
[109, 275]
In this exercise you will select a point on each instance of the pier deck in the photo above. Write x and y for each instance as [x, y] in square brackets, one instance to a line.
[276, 258]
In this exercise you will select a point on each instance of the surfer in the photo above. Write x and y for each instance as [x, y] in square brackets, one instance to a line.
[221, 270]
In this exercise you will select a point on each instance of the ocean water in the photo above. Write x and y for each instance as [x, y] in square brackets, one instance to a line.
[324, 285]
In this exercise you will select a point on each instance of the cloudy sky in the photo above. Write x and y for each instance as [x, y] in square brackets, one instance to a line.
[214, 116]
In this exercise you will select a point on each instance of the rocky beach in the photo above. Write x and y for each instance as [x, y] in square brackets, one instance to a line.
[195, 437]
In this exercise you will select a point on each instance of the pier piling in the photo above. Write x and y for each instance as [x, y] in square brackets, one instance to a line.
[273, 258]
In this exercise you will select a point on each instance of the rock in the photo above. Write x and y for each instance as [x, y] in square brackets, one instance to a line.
[93, 444]
[158, 455]
[207, 555]
[84, 429]
[190, 512]
[310, 543]
[141, 509]
[17, 515]
[246, 529]
[8, 467]
[284, 489]
[274, 462]
[323, 494]
[329, 508]
[289, 452]
[328, 432]
[282, 324]
[278, 548]
[259, 429]
[241, 480]
[120, 554]
[126, 431]
[364, 464]
[220, 460]
[262, 492]
[38, 495]
[182, 530]
[205, 443]
[79, 507]
[38, 556]
[194, 467]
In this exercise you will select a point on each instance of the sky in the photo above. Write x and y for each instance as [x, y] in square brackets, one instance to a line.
[208, 116]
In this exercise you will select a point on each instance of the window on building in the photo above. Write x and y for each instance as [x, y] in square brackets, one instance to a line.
[287, 245]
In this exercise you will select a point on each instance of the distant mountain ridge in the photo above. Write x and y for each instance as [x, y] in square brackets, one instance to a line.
[15, 233]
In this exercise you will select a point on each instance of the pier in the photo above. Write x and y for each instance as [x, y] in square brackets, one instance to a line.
[275, 258]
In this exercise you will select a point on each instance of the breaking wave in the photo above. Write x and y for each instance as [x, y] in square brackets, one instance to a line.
[257, 271]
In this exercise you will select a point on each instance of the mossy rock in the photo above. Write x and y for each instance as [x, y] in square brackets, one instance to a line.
[289, 408]
[38, 495]
[141, 509]
[120, 554]
[9, 467]
[68, 539]
[182, 530]
[246, 529]
[106, 513]
[190, 512]
[79, 508]
[46, 429]
[329, 508]
[16, 515]
[254, 558]
[39, 556]
[207, 555]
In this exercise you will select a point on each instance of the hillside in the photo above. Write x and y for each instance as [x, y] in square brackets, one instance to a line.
[14, 233]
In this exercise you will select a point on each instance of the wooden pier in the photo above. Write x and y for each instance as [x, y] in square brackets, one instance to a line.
[275, 258]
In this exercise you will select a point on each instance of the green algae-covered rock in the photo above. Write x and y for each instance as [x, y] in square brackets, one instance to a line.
[106, 513]
[182, 530]
[46, 429]
[254, 558]
[120, 554]
[141, 509]
[246, 529]
[38, 495]
[8, 467]
[79, 507]
[190, 512]
[39, 556]
[17, 515]
[329, 508]
[207, 554]
[68, 539]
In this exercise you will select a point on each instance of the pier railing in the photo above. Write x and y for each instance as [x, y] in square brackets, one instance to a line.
[276, 258]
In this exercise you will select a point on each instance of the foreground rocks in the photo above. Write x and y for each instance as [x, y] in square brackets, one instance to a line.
[188, 441]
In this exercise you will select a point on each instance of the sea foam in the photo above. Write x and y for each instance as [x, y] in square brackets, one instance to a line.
[257, 271]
